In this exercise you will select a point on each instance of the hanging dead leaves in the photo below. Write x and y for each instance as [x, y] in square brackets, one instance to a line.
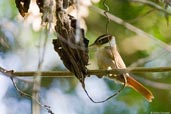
[40, 4]
[23, 6]
[71, 44]
[72, 51]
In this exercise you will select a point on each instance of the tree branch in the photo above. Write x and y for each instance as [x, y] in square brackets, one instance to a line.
[152, 4]
[154, 84]
[90, 72]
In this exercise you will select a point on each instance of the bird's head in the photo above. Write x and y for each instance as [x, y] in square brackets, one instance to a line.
[105, 39]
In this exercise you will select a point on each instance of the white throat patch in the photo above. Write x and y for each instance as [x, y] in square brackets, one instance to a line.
[112, 42]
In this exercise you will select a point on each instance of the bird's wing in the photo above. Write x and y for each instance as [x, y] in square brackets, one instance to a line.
[115, 56]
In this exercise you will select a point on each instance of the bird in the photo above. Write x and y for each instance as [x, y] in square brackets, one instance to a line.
[108, 57]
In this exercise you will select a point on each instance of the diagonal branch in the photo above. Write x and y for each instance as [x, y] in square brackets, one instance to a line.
[152, 4]
[154, 84]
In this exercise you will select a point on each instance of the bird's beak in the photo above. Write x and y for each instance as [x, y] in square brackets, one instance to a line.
[91, 45]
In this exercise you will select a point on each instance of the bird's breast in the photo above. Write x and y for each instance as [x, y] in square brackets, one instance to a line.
[104, 59]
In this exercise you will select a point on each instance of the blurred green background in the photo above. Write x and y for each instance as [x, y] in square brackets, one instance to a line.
[20, 42]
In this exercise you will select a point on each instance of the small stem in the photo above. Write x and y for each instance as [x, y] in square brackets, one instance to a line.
[10, 73]
[152, 4]
[93, 72]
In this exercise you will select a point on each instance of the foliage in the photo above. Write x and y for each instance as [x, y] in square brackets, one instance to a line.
[19, 50]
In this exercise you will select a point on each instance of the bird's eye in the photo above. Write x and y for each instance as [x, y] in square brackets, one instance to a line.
[100, 41]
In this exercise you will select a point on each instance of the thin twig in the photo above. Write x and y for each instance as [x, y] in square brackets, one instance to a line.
[152, 4]
[141, 16]
[154, 84]
[105, 13]
[149, 58]
[30, 96]
[10, 73]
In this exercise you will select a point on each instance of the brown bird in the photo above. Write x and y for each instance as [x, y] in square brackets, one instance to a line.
[108, 57]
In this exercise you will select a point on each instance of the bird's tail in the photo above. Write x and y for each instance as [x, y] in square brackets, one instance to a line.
[131, 82]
